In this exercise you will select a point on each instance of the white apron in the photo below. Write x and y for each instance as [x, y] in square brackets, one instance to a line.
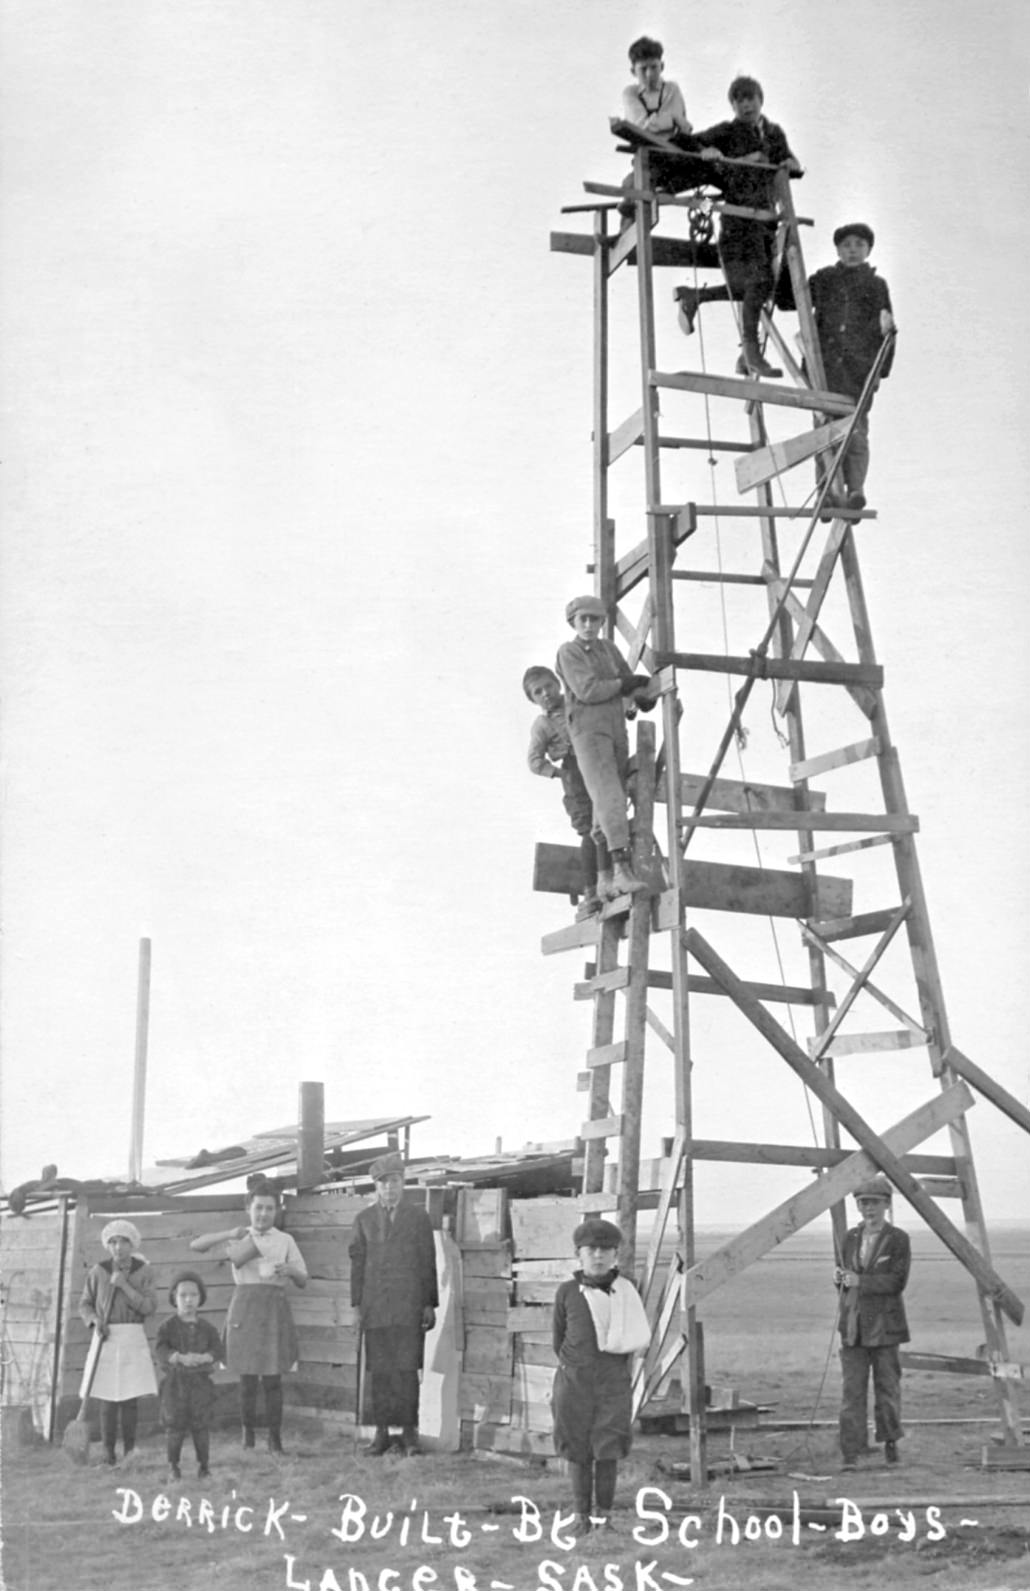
[125, 1369]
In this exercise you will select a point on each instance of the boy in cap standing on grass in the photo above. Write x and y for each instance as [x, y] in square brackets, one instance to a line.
[393, 1286]
[598, 684]
[599, 1323]
[871, 1279]
[551, 757]
[853, 314]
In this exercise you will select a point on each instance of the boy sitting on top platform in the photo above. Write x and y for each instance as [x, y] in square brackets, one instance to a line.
[552, 757]
[656, 105]
[598, 682]
[852, 307]
[746, 246]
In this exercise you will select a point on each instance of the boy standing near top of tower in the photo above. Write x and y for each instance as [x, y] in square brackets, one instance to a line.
[852, 307]
[746, 246]
[597, 682]
[552, 757]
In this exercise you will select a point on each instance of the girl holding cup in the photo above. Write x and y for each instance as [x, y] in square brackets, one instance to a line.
[260, 1336]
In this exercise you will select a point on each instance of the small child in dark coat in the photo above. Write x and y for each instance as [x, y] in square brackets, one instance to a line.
[599, 1324]
[188, 1349]
[551, 757]
[852, 307]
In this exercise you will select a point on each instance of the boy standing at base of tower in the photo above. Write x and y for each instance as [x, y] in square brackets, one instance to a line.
[598, 682]
[852, 307]
[552, 757]
[746, 246]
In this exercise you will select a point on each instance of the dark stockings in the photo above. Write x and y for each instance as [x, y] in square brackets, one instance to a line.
[109, 1418]
[273, 1389]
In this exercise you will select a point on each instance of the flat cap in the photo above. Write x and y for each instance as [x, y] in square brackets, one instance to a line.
[595, 1233]
[875, 1188]
[391, 1165]
[854, 229]
[587, 604]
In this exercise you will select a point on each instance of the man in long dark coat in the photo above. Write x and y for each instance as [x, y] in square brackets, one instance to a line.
[393, 1285]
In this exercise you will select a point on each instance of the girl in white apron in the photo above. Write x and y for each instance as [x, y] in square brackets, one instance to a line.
[260, 1336]
[116, 1299]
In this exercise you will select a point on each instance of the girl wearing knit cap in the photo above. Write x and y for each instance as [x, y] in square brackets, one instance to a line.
[599, 1324]
[117, 1297]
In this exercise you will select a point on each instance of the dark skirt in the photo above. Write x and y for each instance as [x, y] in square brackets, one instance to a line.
[393, 1355]
[592, 1409]
[187, 1398]
[260, 1337]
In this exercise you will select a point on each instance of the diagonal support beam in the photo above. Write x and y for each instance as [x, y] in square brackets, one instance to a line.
[812, 938]
[820, 1196]
[987, 1279]
[860, 980]
[636, 634]
[864, 699]
[784, 689]
[986, 1085]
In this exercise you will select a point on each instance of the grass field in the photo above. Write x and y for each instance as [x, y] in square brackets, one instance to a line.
[260, 1524]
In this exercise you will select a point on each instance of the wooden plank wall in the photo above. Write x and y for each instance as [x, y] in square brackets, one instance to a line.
[325, 1382]
[165, 1244]
[32, 1286]
[508, 1375]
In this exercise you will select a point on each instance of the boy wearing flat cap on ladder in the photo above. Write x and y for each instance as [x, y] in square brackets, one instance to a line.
[852, 308]
[599, 684]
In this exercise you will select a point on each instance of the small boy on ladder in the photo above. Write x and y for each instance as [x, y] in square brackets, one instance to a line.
[551, 757]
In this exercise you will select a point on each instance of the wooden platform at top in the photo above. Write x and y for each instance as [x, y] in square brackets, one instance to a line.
[664, 251]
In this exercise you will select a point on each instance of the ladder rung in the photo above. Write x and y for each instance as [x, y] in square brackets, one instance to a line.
[854, 927]
[602, 983]
[841, 850]
[869, 1043]
[713, 577]
[607, 1054]
[775, 668]
[606, 1127]
[942, 1187]
[858, 751]
[834, 822]
[744, 388]
[573, 937]
[750, 511]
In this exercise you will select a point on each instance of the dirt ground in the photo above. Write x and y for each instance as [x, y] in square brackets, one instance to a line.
[459, 1522]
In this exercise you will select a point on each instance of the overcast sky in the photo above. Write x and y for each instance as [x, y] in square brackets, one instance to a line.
[297, 411]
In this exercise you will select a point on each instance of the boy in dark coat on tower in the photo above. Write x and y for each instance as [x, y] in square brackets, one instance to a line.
[852, 308]
[393, 1285]
[746, 245]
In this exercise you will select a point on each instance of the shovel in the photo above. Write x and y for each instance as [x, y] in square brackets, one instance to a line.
[75, 1441]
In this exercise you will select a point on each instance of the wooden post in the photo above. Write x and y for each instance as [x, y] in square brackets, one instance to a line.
[311, 1135]
[139, 1075]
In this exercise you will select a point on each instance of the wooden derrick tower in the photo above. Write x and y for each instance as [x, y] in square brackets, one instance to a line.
[807, 665]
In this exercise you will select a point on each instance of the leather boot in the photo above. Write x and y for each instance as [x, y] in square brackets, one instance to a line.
[752, 361]
[689, 301]
[589, 904]
[380, 1443]
[625, 880]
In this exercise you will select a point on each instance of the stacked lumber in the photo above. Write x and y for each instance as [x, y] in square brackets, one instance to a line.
[325, 1381]
[541, 1258]
[485, 1389]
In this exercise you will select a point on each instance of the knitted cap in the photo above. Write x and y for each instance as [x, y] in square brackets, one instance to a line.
[120, 1228]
